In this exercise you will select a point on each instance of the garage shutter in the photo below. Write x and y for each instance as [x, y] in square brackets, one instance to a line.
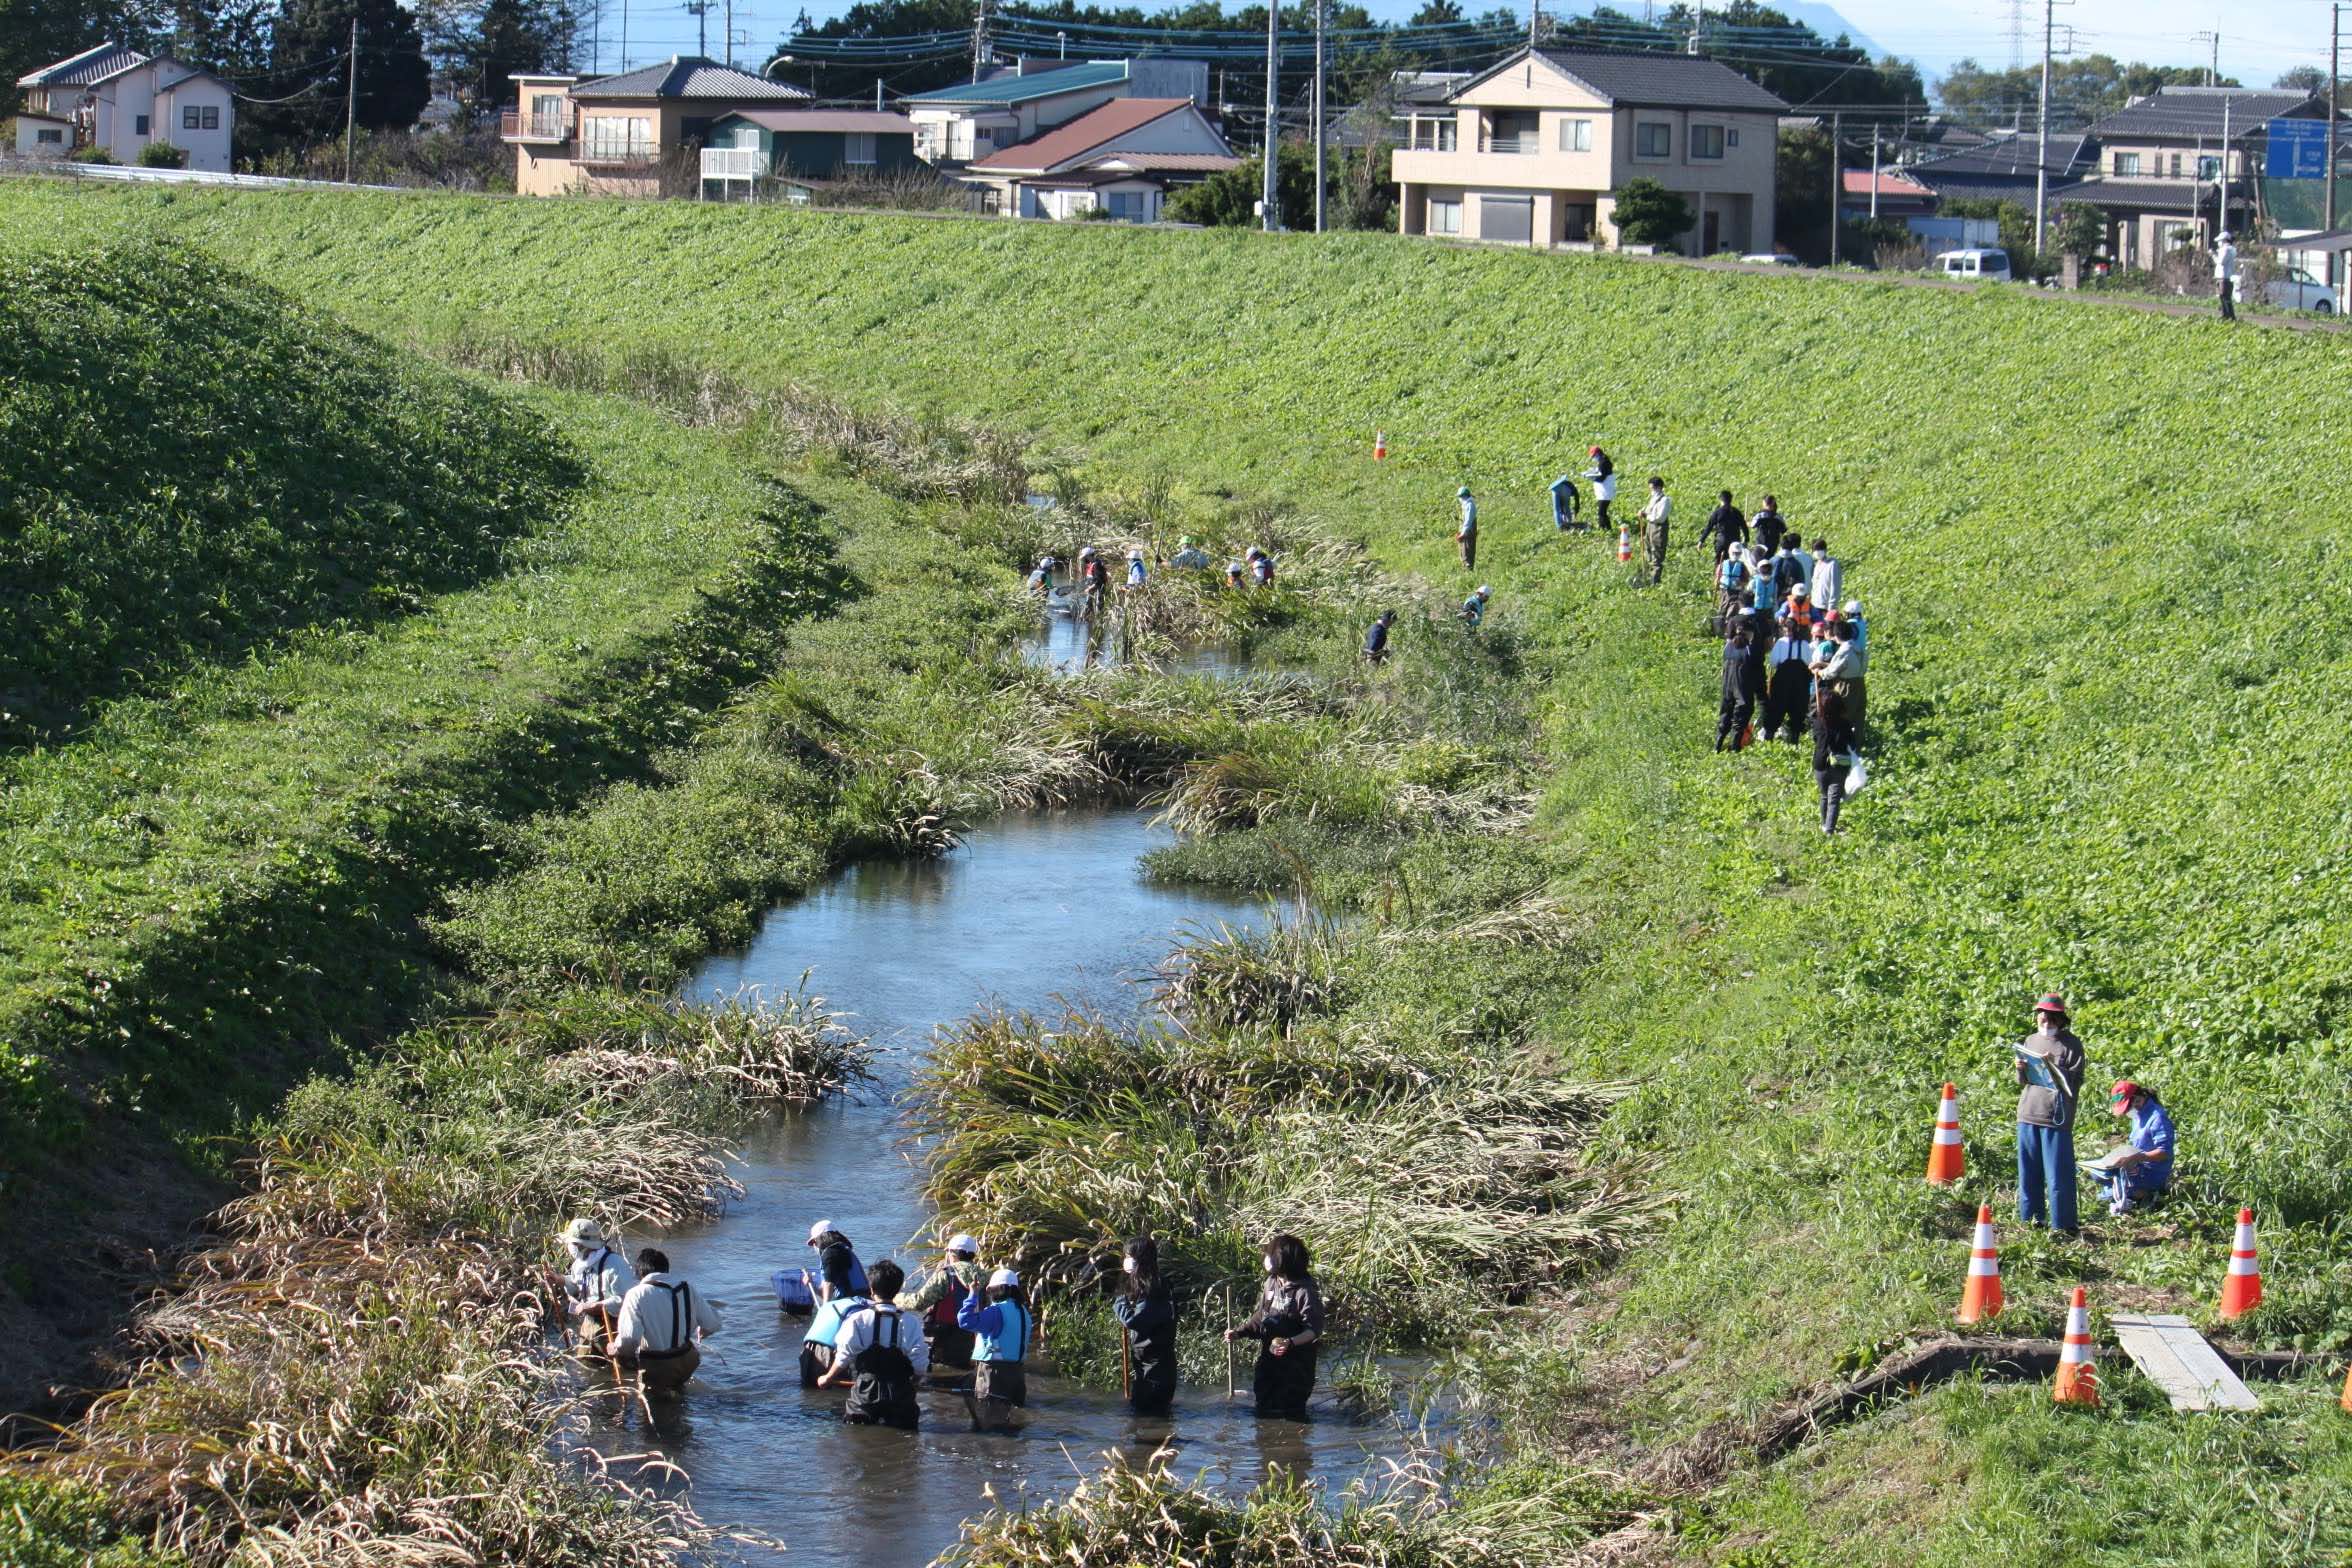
[1509, 218]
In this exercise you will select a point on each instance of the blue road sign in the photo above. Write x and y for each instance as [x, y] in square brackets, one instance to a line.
[2298, 150]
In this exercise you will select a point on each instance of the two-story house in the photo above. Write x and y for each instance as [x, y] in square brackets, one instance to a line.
[123, 101]
[614, 135]
[1532, 151]
[2165, 162]
[962, 124]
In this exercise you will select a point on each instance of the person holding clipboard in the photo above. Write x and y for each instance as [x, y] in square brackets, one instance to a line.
[2049, 1075]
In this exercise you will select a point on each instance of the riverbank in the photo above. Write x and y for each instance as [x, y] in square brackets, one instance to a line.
[2105, 659]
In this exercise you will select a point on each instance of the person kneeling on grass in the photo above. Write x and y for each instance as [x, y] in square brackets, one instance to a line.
[2141, 1167]
[880, 1347]
[1287, 1325]
[1001, 1330]
[661, 1318]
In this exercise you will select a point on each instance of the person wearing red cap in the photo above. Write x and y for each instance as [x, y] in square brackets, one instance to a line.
[2049, 1075]
[2142, 1167]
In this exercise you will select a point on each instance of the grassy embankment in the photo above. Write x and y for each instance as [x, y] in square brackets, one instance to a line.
[2107, 657]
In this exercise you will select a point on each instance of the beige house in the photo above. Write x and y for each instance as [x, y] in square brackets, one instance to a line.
[2165, 159]
[616, 135]
[1531, 151]
[125, 102]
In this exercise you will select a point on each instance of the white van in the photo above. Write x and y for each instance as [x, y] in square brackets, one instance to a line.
[1981, 266]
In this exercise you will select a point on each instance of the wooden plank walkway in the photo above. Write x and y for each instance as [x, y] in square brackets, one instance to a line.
[2179, 1361]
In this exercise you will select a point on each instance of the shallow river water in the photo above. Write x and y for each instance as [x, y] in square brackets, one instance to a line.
[1032, 911]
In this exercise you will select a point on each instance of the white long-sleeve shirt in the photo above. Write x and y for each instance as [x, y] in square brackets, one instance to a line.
[2225, 261]
[601, 1279]
[1829, 582]
[1659, 508]
[865, 1328]
[663, 1313]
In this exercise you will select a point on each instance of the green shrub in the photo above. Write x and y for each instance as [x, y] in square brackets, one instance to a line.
[163, 155]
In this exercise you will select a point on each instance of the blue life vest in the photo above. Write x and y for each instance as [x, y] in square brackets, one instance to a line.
[825, 1327]
[1010, 1341]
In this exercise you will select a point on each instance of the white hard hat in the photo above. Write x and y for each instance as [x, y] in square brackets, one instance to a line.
[963, 1241]
[2225, 234]
[1484, 592]
[584, 1233]
[1135, 552]
[819, 1229]
[1083, 554]
[1853, 607]
[1003, 1277]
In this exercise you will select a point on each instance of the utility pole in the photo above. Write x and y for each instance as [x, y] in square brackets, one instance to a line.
[1698, 26]
[1269, 200]
[1534, 21]
[2328, 197]
[700, 10]
[1837, 183]
[980, 41]
[624, 34]
[1321, 7]
[1874, 171]
[730, 34]
[351, 99]
[2042, 132]
[2221, 219]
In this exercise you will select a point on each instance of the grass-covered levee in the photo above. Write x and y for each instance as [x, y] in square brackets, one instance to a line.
[2107, 667]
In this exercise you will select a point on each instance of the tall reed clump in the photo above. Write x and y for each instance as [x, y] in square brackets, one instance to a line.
[360, 1371]
[1126, 1513]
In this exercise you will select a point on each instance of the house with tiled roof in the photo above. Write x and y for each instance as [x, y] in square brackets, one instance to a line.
[115, 98]
[2172, 167]
[1534, 150]
[1121, 158]
[634, 133]
[1009, 105]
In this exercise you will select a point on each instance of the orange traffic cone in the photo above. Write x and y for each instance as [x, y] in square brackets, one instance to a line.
[1982, 1298]
[1379, 445]
[2241, 1287]
[2078, 1380]
[1947, 1161]
[1624, 543]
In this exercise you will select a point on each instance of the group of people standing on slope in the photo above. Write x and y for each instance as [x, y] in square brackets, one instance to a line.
[965, 1330]
[1791, 645]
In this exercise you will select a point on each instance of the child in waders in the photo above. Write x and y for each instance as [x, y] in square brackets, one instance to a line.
[1001, 1329]
[1147, 1316]
[1287, 1325]
[881, 1355]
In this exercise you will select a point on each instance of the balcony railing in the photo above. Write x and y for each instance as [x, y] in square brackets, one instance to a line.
[618, 149]
[1528, 144]
[731, 163]
[515, 126]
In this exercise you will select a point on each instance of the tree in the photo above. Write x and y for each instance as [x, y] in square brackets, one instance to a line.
[2309, 80]
[1650, 214]
[306, 49]
[1229, 200]
[2080, 90]
[2080, 230]
[1800, 193]
[1436, 13]
[506, 36]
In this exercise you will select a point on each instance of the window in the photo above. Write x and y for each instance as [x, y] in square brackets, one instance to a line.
[1731, 138]
[1653, 139]
[1513, 132]
[139, 125]
[1129, 206]
[619, 138]
[2208, 168]
[1706, 141]
[857, 149]
[2176, 165]
[1434, 135]
[1576, 136]
[992, 201]
[200, 117]
[1445, 217]
[2127, 163]
[50, 136]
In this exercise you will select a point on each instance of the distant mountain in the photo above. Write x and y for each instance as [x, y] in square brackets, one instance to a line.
[1825, 20]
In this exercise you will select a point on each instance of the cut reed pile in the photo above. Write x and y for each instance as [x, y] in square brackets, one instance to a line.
[361, 1372]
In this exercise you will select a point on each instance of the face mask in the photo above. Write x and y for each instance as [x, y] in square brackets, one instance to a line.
[1269, 1268]
[1127, 1264]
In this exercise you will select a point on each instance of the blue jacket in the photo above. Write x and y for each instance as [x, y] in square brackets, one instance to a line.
[1001, 1330]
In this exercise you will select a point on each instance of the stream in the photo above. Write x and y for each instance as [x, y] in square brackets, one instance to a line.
[1032, 911]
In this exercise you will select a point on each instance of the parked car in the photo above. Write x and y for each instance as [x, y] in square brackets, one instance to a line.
[1988, 266]
[1771, 258]
[2299, 290]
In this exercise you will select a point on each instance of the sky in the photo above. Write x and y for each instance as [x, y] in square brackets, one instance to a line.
[2259, 38]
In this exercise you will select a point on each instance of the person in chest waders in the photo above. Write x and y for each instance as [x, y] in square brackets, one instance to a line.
[940, 1299]
[1001, 1331]
[1287, 1325]
[661, 1319]
[595, 1285]
[881, 1355]
[1147, 1315]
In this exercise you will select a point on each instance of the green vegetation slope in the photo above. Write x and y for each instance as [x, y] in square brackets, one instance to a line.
[2101, 553]
[191, 464]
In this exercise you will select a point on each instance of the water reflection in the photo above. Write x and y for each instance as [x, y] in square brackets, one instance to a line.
[1031, 912]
